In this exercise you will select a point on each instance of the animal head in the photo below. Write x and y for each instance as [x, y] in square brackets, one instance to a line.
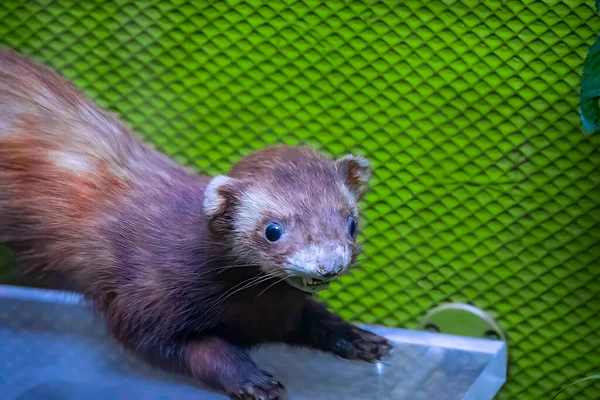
[292, 212]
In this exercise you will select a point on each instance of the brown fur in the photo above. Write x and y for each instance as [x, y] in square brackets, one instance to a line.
[81, 198]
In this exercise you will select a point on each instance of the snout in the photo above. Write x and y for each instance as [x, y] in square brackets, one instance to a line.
[314, 267]
[329, 272]
[323, 275]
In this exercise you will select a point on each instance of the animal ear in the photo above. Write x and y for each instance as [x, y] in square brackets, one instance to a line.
[218, 195]
[356, 171]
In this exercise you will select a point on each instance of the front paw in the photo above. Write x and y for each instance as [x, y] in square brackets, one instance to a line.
[363, 345]
[264, 387]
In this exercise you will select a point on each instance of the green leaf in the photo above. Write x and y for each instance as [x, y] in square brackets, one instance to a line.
[589, 378]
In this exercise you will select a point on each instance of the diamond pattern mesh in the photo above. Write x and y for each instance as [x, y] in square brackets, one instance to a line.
[485, 190]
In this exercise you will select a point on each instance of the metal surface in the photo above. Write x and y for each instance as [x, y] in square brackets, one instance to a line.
[53, 348]
[485, 190]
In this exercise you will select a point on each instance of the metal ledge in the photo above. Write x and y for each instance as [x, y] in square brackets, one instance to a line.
[52, 347]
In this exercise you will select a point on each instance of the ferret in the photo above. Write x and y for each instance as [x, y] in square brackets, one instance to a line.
[189, 272]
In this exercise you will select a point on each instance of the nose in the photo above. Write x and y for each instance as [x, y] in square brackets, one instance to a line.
[329, 273]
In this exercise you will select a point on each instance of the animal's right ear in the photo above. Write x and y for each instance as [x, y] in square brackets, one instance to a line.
[219, 194]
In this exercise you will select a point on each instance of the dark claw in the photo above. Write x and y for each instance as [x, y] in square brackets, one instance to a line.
[263, 388]
[364, 346]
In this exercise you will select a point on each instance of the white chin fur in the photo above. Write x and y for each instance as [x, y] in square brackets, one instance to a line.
[306, 285]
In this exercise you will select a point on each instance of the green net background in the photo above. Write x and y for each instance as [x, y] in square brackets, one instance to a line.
[485, 189]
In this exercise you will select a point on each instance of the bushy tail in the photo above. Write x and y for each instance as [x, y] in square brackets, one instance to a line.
[61, 156]
[63, 159]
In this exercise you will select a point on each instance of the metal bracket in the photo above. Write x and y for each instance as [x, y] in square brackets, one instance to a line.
[463, 320]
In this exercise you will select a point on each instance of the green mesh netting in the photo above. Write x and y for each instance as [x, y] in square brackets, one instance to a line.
[485, 189]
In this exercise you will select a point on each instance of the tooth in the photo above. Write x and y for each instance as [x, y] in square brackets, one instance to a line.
[304, 281]
[309, 281]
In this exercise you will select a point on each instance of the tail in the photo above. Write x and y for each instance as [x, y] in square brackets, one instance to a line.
[59, 152]
[34, 97]
[63, 159]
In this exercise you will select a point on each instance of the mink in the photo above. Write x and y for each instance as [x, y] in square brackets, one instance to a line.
[188, 271]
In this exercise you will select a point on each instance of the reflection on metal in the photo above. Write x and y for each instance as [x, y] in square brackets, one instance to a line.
[462, 320]
[52, 347]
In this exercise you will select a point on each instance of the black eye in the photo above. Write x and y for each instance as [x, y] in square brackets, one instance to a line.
[351, 226]
[273, 232]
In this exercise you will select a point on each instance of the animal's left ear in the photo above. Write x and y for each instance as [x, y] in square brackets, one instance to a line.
[356, 171]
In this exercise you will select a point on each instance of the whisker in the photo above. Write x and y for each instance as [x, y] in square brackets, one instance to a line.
[242, 283]
[229, 267]
[249, 283]
[271, 285]
[246, 284]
